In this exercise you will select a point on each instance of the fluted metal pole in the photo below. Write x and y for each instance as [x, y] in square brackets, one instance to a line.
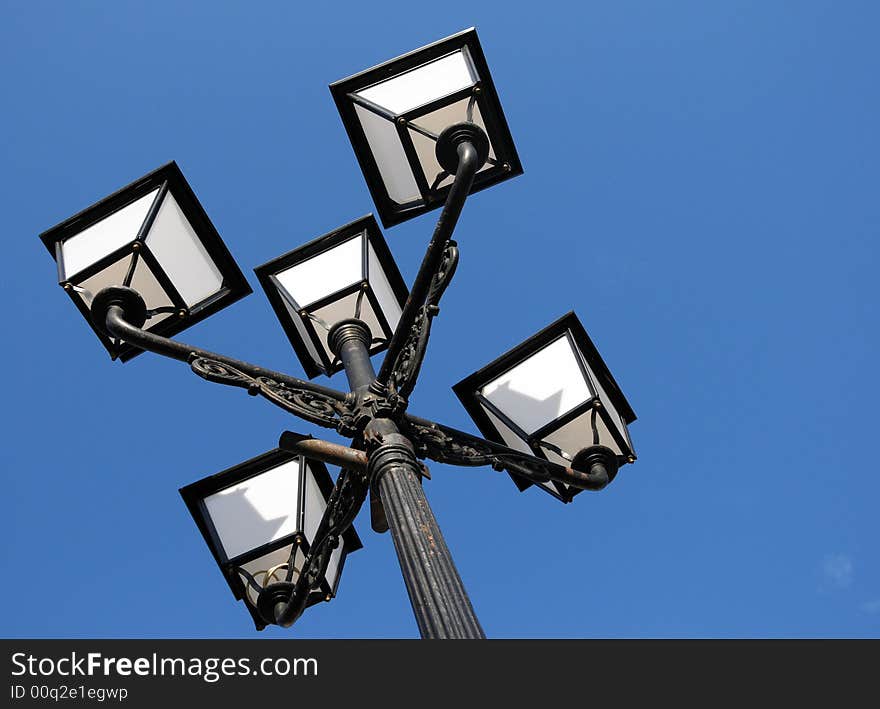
[440, 603]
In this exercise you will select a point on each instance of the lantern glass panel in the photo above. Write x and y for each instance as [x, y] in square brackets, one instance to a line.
[391, 160]
[181, 254]
[271, 568]
[102, 238]
[325, 274]
[303, 335]
[543, 387]
[257, 511]
[315, 504]
[616, 419]
[418, 86]
[577, 434]
[385, 293]
[512, 440]
[143, 280]
[510, 437]
[435, 122]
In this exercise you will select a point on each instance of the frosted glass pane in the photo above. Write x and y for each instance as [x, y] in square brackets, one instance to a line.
[315, 506]
[390, 158]
[143, 281]
[104, 237]
[540, 389]
[513, 441]
[342, 309]
[426, 83]
[324, 274]
[256, 511]
[382, 289]
[436, 122]
[578, 434]
[333, 565]
[507, 435]
[303, 333]
[606, 401]
[182, 255]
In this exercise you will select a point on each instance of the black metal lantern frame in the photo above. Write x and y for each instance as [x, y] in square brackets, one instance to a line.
[194, 496]
[167, 178]
[502, 166]
[282, 303]
[600, 380]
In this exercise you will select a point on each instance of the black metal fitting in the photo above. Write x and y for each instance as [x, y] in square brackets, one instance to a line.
[346, 330]
[599, 461]
[394, 451]
[272, 598]
[453, 136]
[134, 309]
[350, 341]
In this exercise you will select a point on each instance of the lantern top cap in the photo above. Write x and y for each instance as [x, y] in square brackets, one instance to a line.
[567, 323]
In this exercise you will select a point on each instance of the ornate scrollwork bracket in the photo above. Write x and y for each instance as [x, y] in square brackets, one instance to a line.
[447, 445]
[309, 405]
[409, 362]
[343, 506]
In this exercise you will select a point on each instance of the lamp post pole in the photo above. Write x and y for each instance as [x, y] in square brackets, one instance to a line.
[440, 603]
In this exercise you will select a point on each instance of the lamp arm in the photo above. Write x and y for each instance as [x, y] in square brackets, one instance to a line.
[343, 506]
[448, 445]
[312, 402]
[402, 362]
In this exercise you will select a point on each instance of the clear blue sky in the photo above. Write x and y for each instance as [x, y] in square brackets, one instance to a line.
[700, 187]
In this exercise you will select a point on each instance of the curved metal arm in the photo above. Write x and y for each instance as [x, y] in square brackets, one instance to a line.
[345, 502]
[468, 164]
[448, 445]
[312, 402]
[118, 326]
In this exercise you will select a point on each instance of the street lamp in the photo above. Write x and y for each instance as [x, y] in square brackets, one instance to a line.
[396, 112]
[348, 273]
[260, 518]
[553, 396]
[145, 263]
[155, 237]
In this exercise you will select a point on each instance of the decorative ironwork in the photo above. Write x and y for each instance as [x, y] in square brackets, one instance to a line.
[430, 441]
[343, 506]
[446, 445]
[444, 273]
[309, 405]
[409, 362]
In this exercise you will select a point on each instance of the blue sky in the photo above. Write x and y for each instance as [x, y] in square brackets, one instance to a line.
[700, 187]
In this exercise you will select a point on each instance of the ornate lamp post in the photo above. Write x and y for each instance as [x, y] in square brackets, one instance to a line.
[143, 264]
